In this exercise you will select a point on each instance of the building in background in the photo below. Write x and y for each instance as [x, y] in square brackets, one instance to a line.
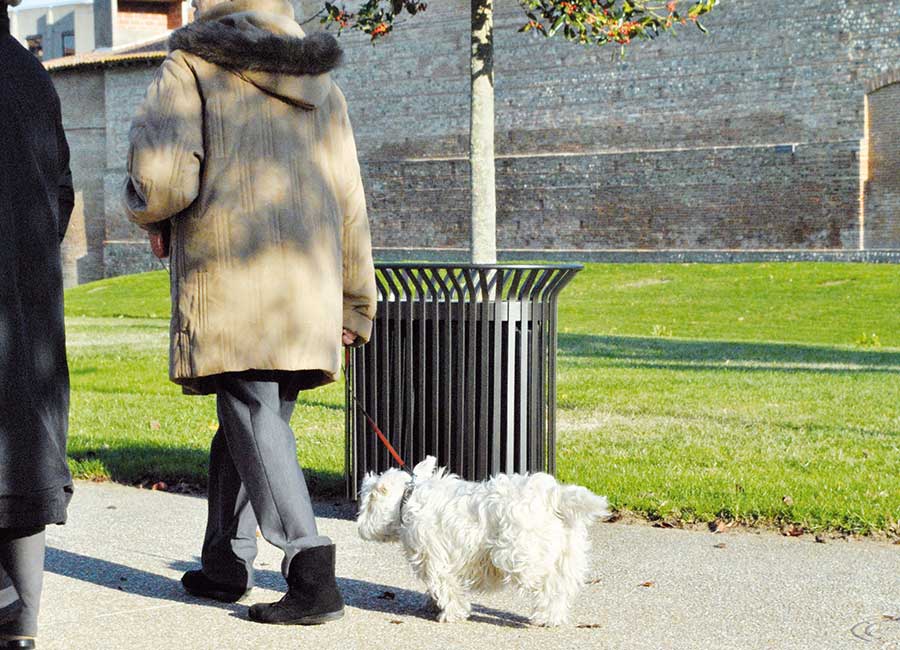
[54, 28]
[764, 137]
[121, 23]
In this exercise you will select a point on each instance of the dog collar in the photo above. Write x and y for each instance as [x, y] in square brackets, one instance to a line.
[406, 494]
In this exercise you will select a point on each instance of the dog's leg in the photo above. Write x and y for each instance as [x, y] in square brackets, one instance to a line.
[552, 600]
[557, 590]
[450, 598]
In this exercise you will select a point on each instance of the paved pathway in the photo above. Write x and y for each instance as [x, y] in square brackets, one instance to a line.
[112, 584]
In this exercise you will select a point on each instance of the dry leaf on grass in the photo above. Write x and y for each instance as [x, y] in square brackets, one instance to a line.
[787, 500]
[718, 526]
[155, 425]
[794, 530]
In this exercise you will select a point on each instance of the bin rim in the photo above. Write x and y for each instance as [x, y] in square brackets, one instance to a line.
[564, 266]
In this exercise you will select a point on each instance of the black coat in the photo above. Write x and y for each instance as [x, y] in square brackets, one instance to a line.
[36, 200]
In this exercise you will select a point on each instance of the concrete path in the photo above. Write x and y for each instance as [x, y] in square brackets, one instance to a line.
[112, 584]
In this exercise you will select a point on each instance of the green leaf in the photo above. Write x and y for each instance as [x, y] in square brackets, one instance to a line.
[556, 25]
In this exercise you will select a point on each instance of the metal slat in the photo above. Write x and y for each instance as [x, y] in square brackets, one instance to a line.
[522, 390]
[483, 434]
[496, 356]
[382, 389]
[421, 352]
[434, 371]
[459, 407]
[472, 367]
[447, 422]
[535, 428]
[394, 429]
[349, 434]
[410, 384]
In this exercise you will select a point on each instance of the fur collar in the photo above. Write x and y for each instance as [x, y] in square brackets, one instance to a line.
[242, 42]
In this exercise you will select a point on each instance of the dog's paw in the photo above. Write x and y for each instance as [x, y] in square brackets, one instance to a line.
[544, 619]
[454, 612]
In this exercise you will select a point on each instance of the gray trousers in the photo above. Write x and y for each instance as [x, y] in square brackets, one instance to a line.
[22, 577]
[254, 478]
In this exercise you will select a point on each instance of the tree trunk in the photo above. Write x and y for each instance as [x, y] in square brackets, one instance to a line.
[481, 137]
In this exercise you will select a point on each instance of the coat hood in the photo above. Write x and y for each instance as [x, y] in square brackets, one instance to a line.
[260, 41]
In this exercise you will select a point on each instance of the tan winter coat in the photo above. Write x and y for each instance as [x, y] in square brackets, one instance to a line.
[244, 142]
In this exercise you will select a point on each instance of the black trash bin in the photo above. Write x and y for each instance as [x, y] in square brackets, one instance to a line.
[462, 366]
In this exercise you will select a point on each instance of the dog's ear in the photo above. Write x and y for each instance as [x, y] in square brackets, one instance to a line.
[426, 468]
[368, 484]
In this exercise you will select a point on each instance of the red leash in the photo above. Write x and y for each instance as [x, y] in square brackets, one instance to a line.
[371, 421]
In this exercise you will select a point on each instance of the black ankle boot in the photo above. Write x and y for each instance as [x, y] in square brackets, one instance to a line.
[17, 643]
[197, 584]
[313, 596]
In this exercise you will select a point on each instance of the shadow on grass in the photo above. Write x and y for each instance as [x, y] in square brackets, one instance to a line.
[147, 464]
[680, 354]
[330, 406]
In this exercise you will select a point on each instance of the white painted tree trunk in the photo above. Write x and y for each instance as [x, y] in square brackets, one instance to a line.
[481, 138]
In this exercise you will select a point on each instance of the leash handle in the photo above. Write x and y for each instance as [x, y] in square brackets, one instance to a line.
[369, 418]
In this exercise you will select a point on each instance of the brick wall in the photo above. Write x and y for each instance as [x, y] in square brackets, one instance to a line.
[143, 16]
[760, 197]
[672, 147]
[174, 15]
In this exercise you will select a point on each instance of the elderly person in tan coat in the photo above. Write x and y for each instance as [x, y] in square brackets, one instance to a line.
[243, 152]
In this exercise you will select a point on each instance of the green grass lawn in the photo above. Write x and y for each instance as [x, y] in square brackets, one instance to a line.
[762, 393]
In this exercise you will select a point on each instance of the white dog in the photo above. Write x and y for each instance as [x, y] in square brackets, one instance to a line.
[461, 536]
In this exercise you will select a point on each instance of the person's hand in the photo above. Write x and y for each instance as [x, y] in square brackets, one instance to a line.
[159, 244]
[349, 338]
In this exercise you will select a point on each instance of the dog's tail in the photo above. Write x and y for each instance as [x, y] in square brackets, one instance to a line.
[577, 503]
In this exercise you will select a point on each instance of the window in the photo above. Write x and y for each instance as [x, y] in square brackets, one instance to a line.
[68, 43]
[36, 45]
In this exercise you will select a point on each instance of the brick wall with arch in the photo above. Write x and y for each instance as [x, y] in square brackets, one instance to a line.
[881, 193]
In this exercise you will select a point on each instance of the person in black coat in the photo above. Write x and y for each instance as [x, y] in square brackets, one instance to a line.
[36, 200]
